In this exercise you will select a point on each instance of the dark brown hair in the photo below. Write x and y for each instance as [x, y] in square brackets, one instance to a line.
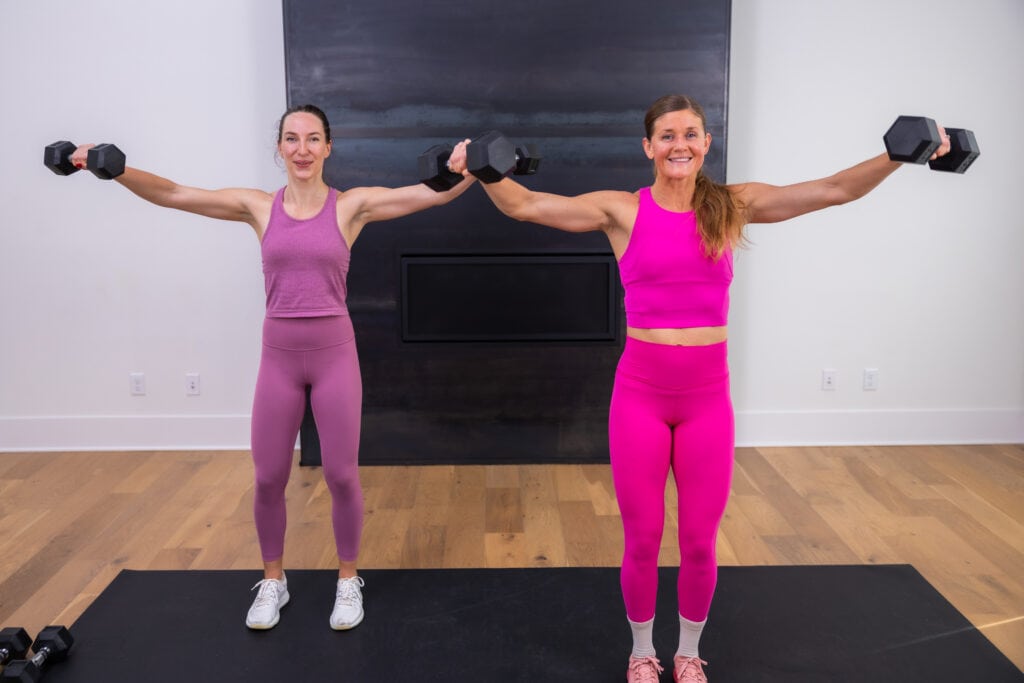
[719, 216]
[308, 109]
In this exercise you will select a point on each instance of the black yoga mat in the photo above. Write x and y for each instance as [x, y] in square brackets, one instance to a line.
[793, 624]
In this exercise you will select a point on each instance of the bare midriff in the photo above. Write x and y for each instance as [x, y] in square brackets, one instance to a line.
[684, 336]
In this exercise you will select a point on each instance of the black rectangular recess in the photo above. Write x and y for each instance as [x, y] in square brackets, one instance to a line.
[509, 298]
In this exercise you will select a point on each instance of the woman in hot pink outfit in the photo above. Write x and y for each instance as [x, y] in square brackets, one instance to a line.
[670, 407]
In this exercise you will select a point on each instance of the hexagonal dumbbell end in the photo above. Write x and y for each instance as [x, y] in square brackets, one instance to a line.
[21, 671]
[105, 161]
[528, 160]
[54, 642]
[14, 643]
[57, 157]
[490, 156]
[51, 645]
[434, 171]
[912, 139]
[963, 151]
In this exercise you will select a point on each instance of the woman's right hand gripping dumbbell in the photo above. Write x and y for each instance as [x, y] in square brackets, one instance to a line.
[105, 161]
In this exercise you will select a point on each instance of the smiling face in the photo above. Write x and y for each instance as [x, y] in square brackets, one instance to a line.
[677, 144]
[303, 145]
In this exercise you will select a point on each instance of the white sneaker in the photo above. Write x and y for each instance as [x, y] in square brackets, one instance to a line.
[348, 604]
[266, 608]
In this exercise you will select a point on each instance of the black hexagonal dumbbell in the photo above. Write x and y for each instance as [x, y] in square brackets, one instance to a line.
[492, 155]
[105, 161]
[433, 167]
[913, 139]
[57, 157]
[962, 153]
[51, 645]
[14, 643]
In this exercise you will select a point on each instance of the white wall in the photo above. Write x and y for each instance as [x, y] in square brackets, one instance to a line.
[96, 283]
[922, 279]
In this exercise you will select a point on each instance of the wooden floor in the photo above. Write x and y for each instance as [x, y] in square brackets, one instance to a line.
[70, 521]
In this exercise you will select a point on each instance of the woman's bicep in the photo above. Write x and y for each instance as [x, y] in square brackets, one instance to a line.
[581, 213]
[762, 203]
[231, 204]
[372, 204]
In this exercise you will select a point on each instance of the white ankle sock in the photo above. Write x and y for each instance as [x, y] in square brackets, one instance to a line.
[689, 636]
[643, 637]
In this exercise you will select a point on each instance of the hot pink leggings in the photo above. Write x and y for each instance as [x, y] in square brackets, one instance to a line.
[671, 408]
[320, 353]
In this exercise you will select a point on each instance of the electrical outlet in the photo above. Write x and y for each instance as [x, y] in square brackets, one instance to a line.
[137, 383]
[870, 379]
[191, 383]
[828, 380]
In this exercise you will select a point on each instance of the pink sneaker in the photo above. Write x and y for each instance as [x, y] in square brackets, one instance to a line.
[643, 670]
[688, 670]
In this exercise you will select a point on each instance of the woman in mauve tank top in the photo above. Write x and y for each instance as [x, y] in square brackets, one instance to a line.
[670, 407]
[306, 230]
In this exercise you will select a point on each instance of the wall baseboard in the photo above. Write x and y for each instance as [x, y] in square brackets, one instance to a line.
[753, 428]
[125, 433]
[878, 427]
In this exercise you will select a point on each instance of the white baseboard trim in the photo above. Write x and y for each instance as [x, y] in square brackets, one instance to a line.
[878, 427]
[125, 433]
[753, 428]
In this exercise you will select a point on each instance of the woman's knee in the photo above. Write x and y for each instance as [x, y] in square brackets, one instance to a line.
[270, 484]
[697, 549]
[643, 546]
[343, 483]
[268, 492]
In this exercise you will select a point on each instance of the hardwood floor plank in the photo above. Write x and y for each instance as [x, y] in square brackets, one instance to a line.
[813, 537]
[541, 520]
[856, 533]
[749, 547]
[464, 546]
[1007, 525]
[73, 520]
[424, 545]
[503, 511]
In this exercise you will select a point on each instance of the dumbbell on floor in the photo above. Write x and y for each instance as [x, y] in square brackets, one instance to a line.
[51, 645]
[14, 643]
[492, 155]
[913, 139]
[105, 161]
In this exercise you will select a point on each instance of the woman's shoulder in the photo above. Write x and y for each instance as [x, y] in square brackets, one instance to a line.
[616, 198]
[620, 206]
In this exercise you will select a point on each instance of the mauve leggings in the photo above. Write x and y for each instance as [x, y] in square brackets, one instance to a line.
[671, 408]
[320, 353]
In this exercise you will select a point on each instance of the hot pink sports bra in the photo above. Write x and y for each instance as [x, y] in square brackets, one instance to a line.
[669, 282]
